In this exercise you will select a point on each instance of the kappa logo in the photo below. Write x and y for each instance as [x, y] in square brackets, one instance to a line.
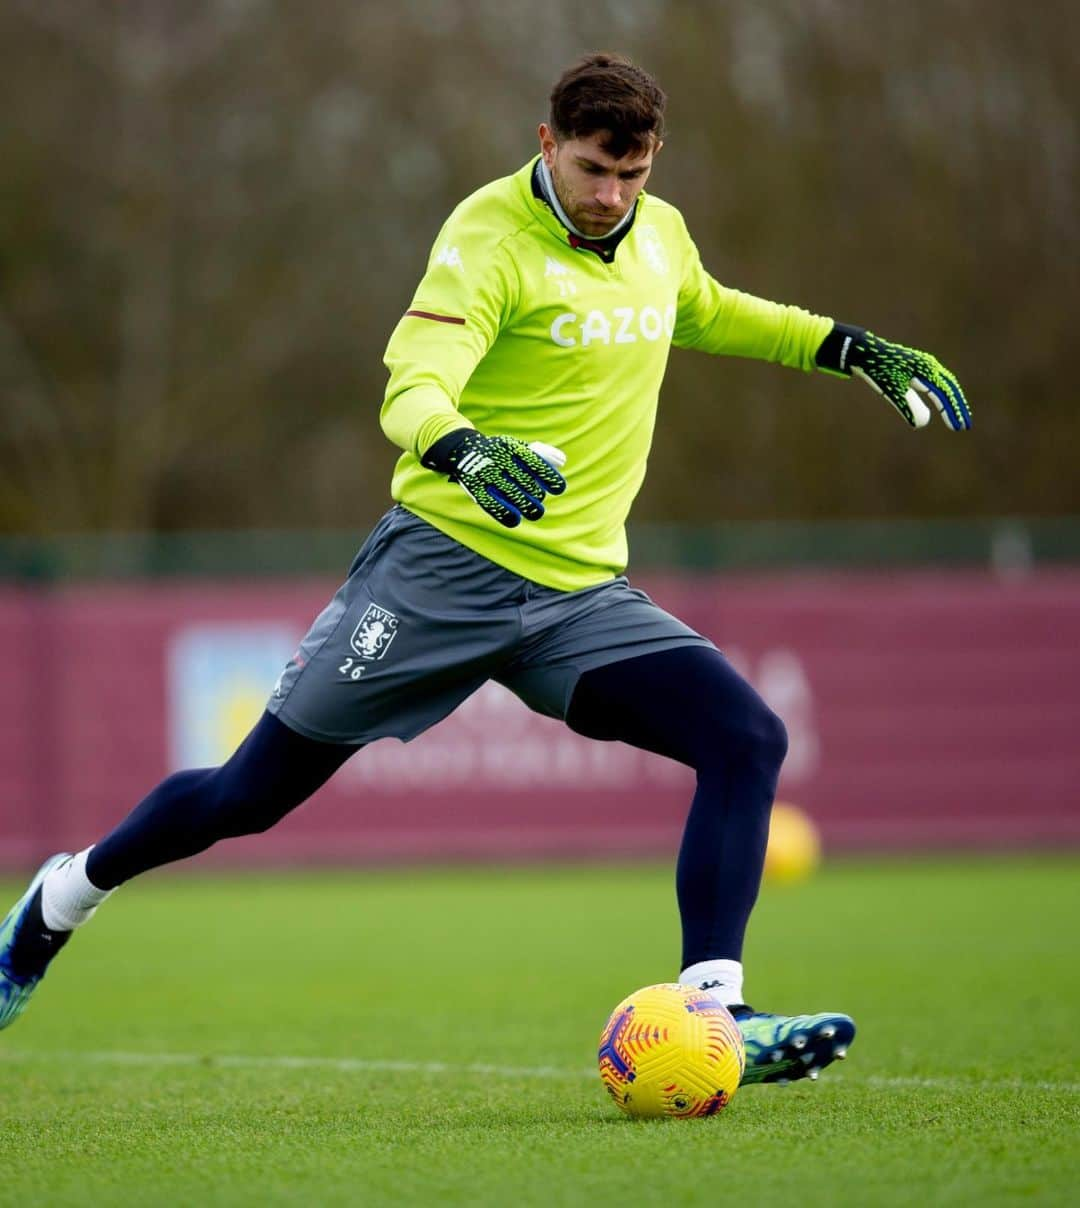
[562, 276]
[372, 636]
[451, 257]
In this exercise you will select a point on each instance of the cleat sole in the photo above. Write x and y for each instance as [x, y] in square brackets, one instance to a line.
[800, 1054]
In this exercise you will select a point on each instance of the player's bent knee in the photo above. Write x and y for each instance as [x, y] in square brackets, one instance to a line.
[759, 739]
[772, 738]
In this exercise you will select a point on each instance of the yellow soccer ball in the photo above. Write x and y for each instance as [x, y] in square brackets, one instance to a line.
[794, 849]
[671, 1050]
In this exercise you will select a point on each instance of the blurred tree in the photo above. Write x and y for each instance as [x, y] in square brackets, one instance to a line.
[213, 212]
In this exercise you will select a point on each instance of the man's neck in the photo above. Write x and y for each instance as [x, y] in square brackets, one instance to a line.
[547, 184]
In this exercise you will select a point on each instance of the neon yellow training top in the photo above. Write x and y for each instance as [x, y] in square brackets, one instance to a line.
[514, 331]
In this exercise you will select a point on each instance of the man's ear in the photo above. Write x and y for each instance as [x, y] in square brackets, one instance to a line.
[548, 142]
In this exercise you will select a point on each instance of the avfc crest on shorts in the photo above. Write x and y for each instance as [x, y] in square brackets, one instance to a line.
[372, 636]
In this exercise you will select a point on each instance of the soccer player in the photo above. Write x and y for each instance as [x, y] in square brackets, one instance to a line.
[523, 392]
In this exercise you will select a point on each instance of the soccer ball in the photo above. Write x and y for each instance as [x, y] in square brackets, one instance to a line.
[671, 1050]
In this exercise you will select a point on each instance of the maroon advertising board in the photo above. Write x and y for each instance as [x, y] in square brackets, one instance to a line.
[925, 710]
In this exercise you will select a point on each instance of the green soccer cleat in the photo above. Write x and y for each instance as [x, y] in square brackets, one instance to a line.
[15, 990]
[783, 1048]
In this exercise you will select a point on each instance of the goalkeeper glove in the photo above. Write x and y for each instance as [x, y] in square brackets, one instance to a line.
[503, 475]
[901, 374]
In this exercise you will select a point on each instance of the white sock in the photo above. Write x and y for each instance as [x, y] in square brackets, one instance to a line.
[68, 896]
[723, 980]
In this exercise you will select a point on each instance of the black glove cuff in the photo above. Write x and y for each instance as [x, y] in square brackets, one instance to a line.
[441, 455]
[836, 348]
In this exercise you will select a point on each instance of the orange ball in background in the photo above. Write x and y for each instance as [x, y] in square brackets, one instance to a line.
[794, 850]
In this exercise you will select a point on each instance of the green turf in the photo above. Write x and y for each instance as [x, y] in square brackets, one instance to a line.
[150, 1068]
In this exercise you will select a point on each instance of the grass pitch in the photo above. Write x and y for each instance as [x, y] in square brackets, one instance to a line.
[429, 1037]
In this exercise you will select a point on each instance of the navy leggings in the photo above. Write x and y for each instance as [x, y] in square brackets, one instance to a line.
[687, 703]
[692, 706]
[272, 771]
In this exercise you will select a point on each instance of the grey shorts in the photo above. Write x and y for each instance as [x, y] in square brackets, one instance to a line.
[422, 621]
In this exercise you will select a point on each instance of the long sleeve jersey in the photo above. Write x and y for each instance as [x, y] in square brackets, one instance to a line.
[520, 328]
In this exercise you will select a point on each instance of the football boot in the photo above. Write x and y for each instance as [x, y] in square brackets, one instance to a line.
[17, 986]
[784, 1048]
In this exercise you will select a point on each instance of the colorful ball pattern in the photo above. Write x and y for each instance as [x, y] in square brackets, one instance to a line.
[671, 1050]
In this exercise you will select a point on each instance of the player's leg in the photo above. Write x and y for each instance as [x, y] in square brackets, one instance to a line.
[351, 681]
[689, 704]
[272, 772]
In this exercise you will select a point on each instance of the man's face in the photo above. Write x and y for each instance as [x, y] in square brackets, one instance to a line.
[595, 189]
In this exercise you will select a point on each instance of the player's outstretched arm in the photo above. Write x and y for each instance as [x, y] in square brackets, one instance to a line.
[504, 475]
[902, 375]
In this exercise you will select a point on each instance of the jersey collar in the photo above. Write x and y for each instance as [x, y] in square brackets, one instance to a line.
[604, 248]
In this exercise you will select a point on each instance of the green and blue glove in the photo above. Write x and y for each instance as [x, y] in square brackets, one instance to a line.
[504, 475]
[902, 375]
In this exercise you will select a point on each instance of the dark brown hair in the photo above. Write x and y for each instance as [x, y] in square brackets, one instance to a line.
[606, 92]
